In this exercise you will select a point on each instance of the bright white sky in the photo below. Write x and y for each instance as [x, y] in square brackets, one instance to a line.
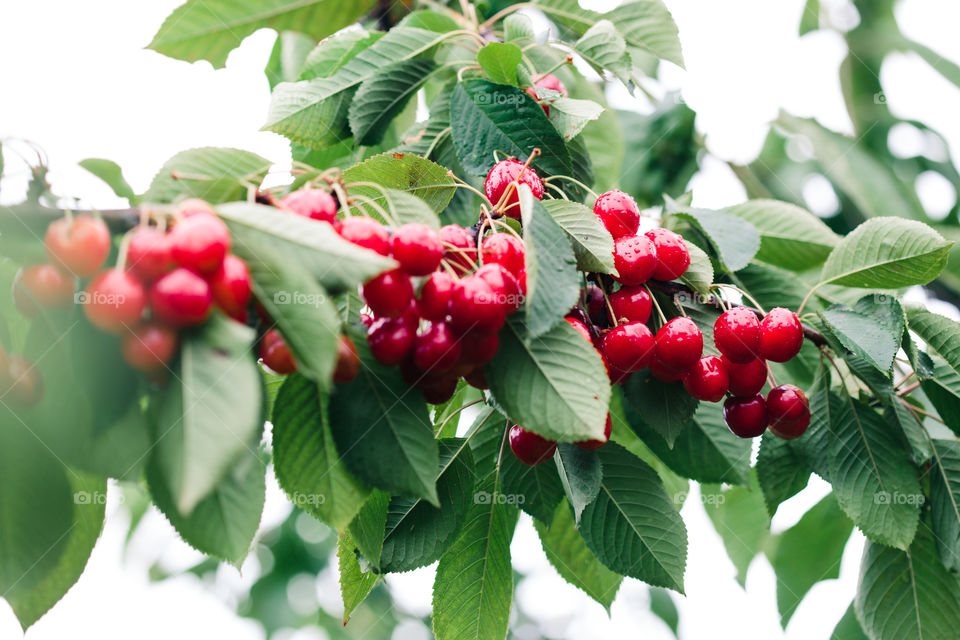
[78, 82]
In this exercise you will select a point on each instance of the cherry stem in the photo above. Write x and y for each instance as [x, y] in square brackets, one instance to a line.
[556, 188]
[343, 198]
[613, 316]
[122, 253]
[656, 305]
[908, 389]
[567, 60]
[463, 184]
[916, 410]
[376, 207]
[457, 412]
[574, 181]
[742, 293]
[515, 184]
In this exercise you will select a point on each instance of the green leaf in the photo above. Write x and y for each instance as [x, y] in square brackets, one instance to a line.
[46, 583]
[332, 53]
[872, 185]
[432, 20]
[863, 335]
[552, 281]
[305, 458]
[209, 413]
[699, 275]
[887, 253]
[518, 28]
[212, 173]
[907, 594]
[417, 533]
[111, 173]
[781, 470]
[536, 489]
[488, 117]
[734, 241]
[662, 606]
[302, 309]
[403, 207]
[790, 236]
[287, 58]
[705, 450]
[664, 408]
[314, 112]
[808, 552]
[633, 526]
[573, 560]
[500, 60]
[872, 478]
[741, 519]
[369, 526]
[849, 627]
[312, 245]
[554, 385]
[945, 501]
[912, 428]
[810, 21]
[210, 29]
[592, 243]
[944, 66]
[225, 521]
[383, 431]
[647, 24]
[355, 584]
[604, 48]
[939, 332]
[569, 116]
[580, 473]
[943, 392]
[383, 96]
[407, 172]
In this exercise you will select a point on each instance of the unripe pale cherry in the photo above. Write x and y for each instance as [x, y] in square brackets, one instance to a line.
[42, 286]
[24, 384]
[546, 81]
[78, 246]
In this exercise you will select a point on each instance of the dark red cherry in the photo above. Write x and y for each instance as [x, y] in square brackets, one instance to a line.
[478, 348]
[707, 380]
[459, 248]
[547, 81]
[581, 328]
[315, 204]
[631, 304]
[664, 374]
[348, 361]
[529, 447]
[437, 348]
[388, 294]
[590, 445]
[618, 212]
[746, 380]
[746, 417]
[390, 340]
[438, 390]
[276, 354]
[628, 347]
[501, 176]
[635, 258]
[737, 335]
[673, 257]
[679, 344]
[474, 305]
[789, 411]
[781, 335]
[435, 295]
[417, 248]
[365, 232]
[504, 249]
[232, 287]
[477, 379]
[504, 286]
[595, 302]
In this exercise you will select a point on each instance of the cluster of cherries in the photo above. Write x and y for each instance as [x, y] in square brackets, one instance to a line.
[618, 328]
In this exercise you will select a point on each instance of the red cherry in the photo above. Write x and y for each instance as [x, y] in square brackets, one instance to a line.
[436, 349]
[590, 445]
[504, 286]
[504, 249]
[24, 386]
[231, 287]
[479, 348]
[781, 335]
[181, 299]
[628, 347]
[388, 294]
[502, 175]
[789, 411]
[439, 390]
[315, 204]
[746, 380]
[417, 248]
[737, 335]
[635, 258]
[150, 348]
[200, 243]
[348, 361]
[707, 380]
[477, 379]
[547, 81]
[529, 447]
[595, 303]
[618, 212]
[581, 328]
[149, 254]
[390, 340]
[79, 246]
[474, 306]
[114, 301]
[459, 248]
[435, 296]
[679, 344]
[275, 353]
[42, 286]
[673, 257]
[746, 417]
[631, 303]
[193, 206]
[664, 374]
[365, 232]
